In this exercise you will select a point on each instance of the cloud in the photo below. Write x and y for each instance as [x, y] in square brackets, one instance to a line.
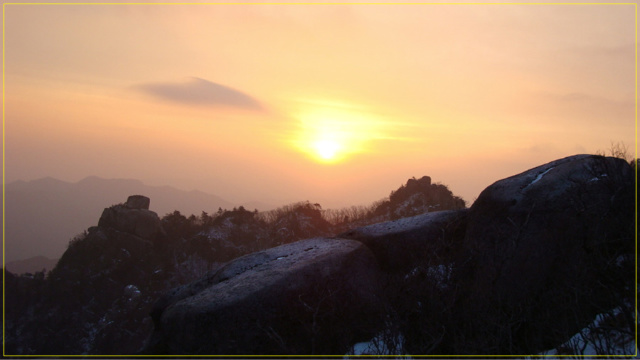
[201, 92]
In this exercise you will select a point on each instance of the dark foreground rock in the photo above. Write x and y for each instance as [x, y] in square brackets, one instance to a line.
[416, 255]
[547, 250]
[316, 296]
[422, 240]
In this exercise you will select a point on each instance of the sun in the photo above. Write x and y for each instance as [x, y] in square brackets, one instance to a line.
[326, 149]
[331, 132]
[327, 140]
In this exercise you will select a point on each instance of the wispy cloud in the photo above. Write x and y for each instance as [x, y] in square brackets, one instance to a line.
[201, 92]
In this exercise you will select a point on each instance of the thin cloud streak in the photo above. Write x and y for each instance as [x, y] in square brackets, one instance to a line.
[200, 92]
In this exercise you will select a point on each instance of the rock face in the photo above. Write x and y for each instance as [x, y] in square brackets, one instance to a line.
[545, 253]
[416, 255]
[133, 217]
[309, 297]
[404, 244]
[104, 285]
[416, 197]
[424, 181]
[138, 202]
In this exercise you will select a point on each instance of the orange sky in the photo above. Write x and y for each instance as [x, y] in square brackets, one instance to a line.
[336, 104]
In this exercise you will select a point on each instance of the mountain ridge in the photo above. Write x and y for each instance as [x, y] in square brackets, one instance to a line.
[44, 214]
[31, 265]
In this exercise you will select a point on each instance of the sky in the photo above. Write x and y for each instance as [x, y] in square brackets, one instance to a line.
[335, 104]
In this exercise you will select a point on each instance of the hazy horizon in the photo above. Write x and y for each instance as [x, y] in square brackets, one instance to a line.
[336, 104]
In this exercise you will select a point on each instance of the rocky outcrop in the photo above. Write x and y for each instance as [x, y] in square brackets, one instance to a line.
[423, 182]
[316, 296]
[416, 197]
[104, 285]
[138, 202]
[547, 250]
[133, 217]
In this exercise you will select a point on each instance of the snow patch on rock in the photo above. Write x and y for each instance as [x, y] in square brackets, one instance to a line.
[540, 176]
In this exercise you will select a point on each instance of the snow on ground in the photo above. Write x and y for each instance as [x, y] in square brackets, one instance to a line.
[590, 343]
[441, 274]
[379, 345]
[217, 233]
[132, 292]
[596, 341]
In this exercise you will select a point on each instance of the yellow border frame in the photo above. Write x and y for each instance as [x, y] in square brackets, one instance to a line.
[318, 3]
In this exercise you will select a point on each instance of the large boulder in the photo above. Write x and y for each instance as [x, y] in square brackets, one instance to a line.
[545, 251]
[133, 217]
[316, 296]
[416, 255]
[404, 244]
[138, 202]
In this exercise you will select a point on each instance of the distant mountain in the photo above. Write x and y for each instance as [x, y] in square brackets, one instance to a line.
[43, 215]
[31, 265]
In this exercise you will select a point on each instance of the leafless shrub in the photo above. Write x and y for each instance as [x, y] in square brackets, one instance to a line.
[272, 216]
[606, 337]
[353, 216]
[619, 150]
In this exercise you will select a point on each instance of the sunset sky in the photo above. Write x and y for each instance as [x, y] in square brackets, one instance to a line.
[336, 104]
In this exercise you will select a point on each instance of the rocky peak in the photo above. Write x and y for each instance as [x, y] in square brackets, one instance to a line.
[415, 184]
[133, 217]
[138, 202]
[419, 196]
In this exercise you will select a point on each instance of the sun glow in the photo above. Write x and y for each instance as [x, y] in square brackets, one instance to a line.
[330, 132]
[326, 149]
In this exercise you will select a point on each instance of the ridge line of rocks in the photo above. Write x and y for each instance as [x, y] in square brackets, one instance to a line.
[456, 282]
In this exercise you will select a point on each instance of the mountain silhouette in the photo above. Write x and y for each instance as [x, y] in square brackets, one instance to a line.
[44, 214]
[31, 265]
